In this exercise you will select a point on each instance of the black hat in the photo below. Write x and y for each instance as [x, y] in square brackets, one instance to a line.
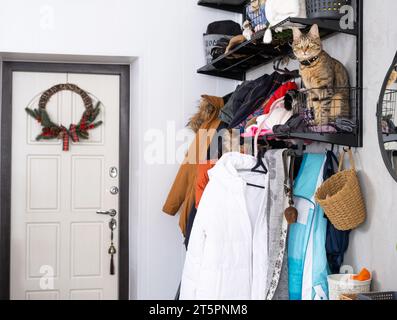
[226, 27]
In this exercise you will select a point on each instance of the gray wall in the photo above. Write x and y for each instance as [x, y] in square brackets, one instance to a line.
[373, 245]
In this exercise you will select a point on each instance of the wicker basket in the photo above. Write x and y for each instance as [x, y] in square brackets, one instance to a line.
[328, 9]
[341, 285]
[341, 198]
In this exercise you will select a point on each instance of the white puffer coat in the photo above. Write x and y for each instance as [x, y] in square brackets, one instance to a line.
[227, 253]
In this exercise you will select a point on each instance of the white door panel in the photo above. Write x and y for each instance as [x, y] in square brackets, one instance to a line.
[55, 231]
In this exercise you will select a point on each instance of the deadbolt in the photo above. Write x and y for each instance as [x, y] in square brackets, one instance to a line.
[114, 190]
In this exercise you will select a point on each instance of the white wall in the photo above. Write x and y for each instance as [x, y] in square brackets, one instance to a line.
[166, 38]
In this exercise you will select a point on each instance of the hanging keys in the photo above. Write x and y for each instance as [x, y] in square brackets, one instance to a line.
[112, 249]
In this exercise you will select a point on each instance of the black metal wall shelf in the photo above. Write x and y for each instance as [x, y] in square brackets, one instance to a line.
[225, 7]
[257, 53]
[390, 137]
[341, 139]
[254, 53]
[322, 23]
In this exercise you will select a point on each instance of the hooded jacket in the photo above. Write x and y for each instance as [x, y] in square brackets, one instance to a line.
[307, 258]
[182, 193]
[227, 253]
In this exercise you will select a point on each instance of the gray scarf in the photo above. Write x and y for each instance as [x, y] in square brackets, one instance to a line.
[277, 276]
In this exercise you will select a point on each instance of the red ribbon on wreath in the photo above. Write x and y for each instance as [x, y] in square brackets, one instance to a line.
[73, 133]
[83, 123]
[64, 135]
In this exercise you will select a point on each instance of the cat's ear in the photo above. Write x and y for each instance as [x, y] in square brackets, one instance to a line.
[297, 33]
[314, 31]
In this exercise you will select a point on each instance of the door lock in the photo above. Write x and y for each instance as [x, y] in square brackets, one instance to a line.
[113, 172]
[114, 190]
[110, 212]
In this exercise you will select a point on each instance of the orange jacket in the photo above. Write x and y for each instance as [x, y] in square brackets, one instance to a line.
[202, 179]
[182, 193]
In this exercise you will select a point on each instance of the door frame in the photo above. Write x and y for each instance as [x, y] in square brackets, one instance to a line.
[8, 67]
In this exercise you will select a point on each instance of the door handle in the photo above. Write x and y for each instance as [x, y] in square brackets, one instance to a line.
[110, 212]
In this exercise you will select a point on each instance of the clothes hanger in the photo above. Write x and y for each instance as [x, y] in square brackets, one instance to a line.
[259, 162]
[259, 156]
[258, 165]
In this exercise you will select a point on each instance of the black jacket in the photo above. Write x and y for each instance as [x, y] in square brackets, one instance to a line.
[337, 241]
[259, 91]
[235, 101]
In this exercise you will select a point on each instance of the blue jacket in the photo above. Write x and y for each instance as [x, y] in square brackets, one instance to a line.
[307, 258]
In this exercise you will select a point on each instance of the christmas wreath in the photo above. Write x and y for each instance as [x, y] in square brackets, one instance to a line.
[51, 130]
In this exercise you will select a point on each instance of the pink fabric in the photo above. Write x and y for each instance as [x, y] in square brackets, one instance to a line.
[251, 132]
[276, 116]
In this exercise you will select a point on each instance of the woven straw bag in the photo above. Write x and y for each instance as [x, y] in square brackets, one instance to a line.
[341, 197]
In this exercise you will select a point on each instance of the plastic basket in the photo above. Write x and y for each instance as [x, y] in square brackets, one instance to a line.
[341, 284]
[327, 9]
[378, 296]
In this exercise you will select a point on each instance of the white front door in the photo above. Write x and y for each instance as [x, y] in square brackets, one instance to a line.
[59, 244]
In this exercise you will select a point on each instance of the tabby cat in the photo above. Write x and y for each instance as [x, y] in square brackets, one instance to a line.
[326, 76]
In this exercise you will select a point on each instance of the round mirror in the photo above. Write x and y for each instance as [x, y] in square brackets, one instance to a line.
[387, 119]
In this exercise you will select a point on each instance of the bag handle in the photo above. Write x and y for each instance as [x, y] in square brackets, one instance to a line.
[257, 134]
[351, 159]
